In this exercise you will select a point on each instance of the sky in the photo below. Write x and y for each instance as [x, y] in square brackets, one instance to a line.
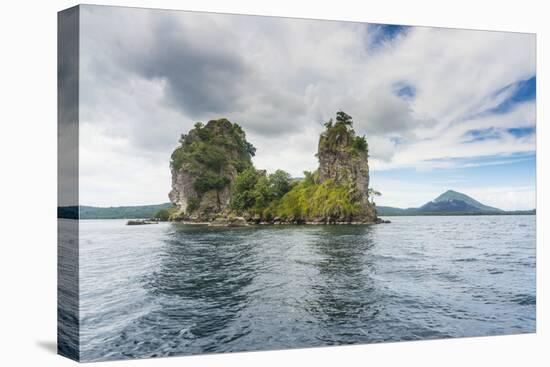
[441, 108]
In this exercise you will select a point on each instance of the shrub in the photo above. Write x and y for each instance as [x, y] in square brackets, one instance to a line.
[279, 183]
[210, 181]
[192, 205]
[359, 143]
[263, 193]
[177, 158]
[243, 196]
[253, 191]
[177, 216]
[213, 157]
[164, 214]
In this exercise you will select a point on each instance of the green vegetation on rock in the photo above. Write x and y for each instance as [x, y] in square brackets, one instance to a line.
[341, 133]
[254, 190]
[276, 196]
[206, 146]
[165, 214]
[311, 201]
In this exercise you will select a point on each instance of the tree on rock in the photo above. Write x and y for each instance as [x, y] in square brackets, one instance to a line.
[344, 118]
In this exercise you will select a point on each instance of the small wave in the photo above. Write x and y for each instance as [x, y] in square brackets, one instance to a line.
[390, 258]
[304, 262]
[467, 259]
[448, 276]
[525, 299]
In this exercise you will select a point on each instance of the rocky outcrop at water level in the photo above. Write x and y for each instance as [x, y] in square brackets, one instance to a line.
[214, 180]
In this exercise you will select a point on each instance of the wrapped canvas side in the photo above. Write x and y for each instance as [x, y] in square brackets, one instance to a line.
[68, 324]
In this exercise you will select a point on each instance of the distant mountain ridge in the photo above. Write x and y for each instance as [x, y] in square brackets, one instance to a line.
[450, 203]
[115, 212]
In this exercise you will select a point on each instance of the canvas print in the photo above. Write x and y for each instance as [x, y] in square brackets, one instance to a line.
[234, 183]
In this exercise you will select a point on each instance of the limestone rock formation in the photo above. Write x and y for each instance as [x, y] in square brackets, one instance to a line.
[343, 159]
[204, 168]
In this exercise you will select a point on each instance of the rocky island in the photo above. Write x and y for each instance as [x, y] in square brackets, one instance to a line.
[214, 181]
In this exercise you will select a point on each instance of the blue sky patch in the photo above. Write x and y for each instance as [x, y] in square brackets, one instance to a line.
[384, 33]
[482, 135]
[492, 133]
[404, 90]
[520, 132]
[524, 90]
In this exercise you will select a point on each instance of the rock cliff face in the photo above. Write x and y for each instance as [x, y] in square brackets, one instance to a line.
[204, 168]
[343, 159]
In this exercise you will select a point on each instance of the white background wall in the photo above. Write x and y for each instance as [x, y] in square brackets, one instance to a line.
[28, 182]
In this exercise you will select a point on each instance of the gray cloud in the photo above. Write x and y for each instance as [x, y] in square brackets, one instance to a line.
[199, 65]
[201, 78]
